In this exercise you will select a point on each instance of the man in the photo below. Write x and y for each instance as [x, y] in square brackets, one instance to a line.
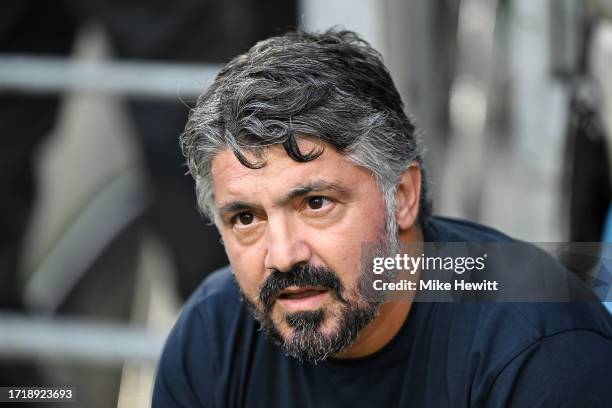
[301, 153]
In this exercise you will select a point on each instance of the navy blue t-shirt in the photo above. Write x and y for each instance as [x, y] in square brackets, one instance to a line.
[445, 354]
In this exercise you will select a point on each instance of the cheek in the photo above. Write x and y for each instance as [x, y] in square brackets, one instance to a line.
[248, 266]
[366, 220]
[341, 248]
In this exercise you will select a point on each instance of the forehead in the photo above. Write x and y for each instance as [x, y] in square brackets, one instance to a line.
[281, 173]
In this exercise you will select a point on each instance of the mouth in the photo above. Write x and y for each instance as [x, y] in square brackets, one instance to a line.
[295, 299]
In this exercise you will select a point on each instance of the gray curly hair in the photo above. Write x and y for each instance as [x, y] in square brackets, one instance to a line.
[332, 86]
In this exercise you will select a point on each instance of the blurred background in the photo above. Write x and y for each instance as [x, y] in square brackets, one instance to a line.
[100, 239]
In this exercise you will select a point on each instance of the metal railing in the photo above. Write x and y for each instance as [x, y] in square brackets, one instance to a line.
[77, 339]
[35, 74]
[84, 339]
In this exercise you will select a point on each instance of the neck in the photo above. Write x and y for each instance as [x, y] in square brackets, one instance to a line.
[390, 319]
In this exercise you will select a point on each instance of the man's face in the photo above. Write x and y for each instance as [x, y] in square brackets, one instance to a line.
[293, 233]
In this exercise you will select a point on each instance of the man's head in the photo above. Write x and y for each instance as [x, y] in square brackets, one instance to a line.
[301, 152]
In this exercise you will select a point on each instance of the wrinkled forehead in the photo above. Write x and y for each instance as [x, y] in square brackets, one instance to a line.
[280, 173]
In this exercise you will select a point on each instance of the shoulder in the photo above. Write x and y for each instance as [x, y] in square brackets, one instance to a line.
[214, 291]
[195, 352]
[508, 350]
[565, 360]
[459, 230]
[507, 328]
[220, 281]
[213, 310]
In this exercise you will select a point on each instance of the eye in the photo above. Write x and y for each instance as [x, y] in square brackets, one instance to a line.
[244, 218]
[317, 202]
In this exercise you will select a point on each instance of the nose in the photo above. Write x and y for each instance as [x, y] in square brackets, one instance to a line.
[287, 246]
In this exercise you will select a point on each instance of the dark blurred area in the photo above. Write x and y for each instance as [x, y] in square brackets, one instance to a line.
[100, 238]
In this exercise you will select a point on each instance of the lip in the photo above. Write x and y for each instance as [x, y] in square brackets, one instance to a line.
[296, 299]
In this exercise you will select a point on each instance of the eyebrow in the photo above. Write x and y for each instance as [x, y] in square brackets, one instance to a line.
[313, 187]
[299, 191]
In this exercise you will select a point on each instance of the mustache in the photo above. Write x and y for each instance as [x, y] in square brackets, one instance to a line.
[298, 275]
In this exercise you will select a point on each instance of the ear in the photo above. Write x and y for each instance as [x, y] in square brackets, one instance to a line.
[407, 197]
